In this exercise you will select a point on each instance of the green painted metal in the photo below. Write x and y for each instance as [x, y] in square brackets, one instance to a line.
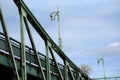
[102, 59]
[59, 71]
[59, 37]
[9, 46]
[66, 70]
[112, 77]
[36, 25]
[53, 16]
[48, 76]
[71, 73]
[30, 57]
[78, 76]
[35, 51]
[22, 46]
[29, 60]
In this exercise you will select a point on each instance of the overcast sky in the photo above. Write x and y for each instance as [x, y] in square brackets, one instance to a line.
[89, 29]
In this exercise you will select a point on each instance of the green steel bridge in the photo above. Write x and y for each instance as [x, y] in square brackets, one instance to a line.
[20, 62]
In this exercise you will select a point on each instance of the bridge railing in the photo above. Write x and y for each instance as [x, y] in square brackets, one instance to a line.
[30, 58]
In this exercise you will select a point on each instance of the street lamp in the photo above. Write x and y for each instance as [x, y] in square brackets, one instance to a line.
[98, 61]
[53, 16]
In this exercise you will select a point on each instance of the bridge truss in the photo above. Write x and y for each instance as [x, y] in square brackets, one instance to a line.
[69, 71]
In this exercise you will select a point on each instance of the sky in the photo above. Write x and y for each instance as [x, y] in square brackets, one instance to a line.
[90, 29]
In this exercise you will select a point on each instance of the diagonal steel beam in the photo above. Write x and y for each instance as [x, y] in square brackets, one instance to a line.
[59, 71]
[35, 50]
[13, 62]
[71, 73]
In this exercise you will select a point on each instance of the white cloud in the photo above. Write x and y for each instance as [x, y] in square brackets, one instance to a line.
[114, 44]
[111, 49]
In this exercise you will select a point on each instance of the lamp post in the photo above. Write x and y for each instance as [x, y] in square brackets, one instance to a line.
[98, 61]
[53, 16]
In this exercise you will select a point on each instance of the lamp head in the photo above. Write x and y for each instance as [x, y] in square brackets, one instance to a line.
[98, 61]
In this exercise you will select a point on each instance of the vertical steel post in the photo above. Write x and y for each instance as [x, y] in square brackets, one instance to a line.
[66, 69]
[47, 61]
[78, 76]
[40, 70]
[9, 46]
[22, 46]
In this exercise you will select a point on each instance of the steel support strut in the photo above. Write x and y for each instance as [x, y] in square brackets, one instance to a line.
[59, 71]
[71, 73]
[22, 46]
[13, 62]
[66, 70]
[40, 70]
[47, 61]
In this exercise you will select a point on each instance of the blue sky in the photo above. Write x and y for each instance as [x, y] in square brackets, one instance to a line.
[89, 29]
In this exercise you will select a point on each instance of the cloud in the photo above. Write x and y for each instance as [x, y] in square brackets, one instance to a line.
[111, 49]
[114, 44]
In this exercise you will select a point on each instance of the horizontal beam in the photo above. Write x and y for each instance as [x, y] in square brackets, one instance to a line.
[107, 77]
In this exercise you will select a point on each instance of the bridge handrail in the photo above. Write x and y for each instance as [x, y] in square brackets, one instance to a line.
[27, 48]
